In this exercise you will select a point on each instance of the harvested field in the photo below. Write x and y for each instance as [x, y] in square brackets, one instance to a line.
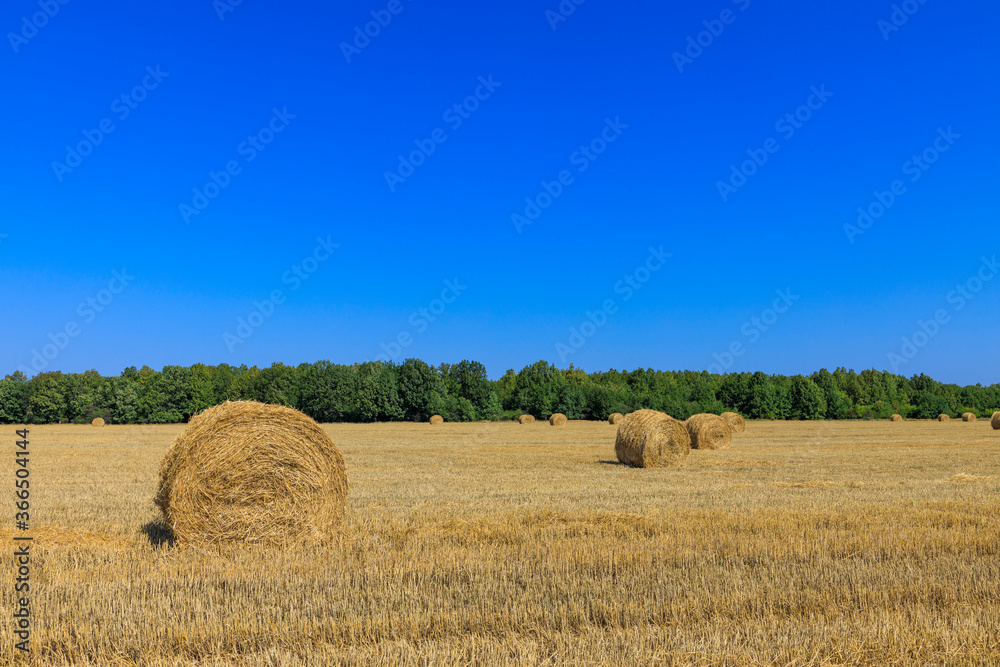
[806, 543]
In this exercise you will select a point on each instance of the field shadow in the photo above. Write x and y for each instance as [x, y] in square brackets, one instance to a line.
[159, 534]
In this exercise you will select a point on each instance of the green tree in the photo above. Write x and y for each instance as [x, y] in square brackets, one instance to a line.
[202, 388]
[493, 410]
[378, 393]
[15, 393]
[83, 393]
[421, 390]
[538, 389]
[121, 396]
[807, 400]
[837, 404]
[762, 401]
[506, 388]
[329, 392]
[48, 400]
[277, 385]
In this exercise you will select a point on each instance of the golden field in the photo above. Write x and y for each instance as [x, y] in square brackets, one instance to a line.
[804, 544]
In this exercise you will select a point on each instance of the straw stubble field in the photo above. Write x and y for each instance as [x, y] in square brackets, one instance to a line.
[804, 543]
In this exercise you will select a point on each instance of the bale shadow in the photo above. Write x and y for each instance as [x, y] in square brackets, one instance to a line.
[159, 534]
[612, 463]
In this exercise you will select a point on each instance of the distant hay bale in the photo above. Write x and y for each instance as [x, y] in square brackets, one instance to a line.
[526, 419]
[896, 418]
[709, 432]
[254, 473]
[98, 422]
[558, 419]
[437, 419]
[651, 439]
[736, 422]
[968, 417]
[615, 418]
[944, 418]
[995, 422]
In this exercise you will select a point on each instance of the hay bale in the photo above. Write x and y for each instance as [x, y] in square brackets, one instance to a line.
[526, 419]
[558, 419]
[736, 422]
[615, 418]
[98, 422]
[896, 418]
[709, 432]
[944, 418]
[437, 419]
[255, 473]
[968, 417]
[995, 422]
[651, 439]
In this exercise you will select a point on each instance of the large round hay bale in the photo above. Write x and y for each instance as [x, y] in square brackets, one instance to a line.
[944, 418]
[896, 418]
[526, 419]
[615, 418]
[255, 473]
[709, 432]
[651, 439]
[995, 422]
[969, 417]
[736, 422]
[98, 422]
[558, 419]
[437, 419]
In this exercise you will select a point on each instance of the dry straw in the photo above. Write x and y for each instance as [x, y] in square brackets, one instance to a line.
[437, 419]
[709, 432]
[736, 422]
[944, 418]
[651, 439]
[968, 417]
[995, 422]
[526, 419]
[558, 419]
[896, 418]
[615, 418]
[255, 473]
[98, 422]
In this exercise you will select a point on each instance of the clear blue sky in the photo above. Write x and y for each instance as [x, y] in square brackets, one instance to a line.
[207, 84]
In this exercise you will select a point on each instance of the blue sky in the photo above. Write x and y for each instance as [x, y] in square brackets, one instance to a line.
[308, 129]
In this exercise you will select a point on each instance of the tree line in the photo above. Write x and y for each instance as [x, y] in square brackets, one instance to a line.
[415, 390]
